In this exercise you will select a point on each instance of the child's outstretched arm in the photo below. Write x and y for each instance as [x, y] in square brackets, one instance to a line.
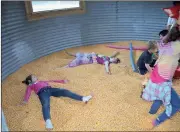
[166, 38]
[114, 54]
[107, 67]
[69, 53]
[58, 81]
[26, 96]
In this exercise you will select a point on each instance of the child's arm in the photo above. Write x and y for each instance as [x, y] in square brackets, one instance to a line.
[166, 38]
[156, 62]
[148, 67]
[168, 106]
[69, 53]
[99, 55]
[94, 57]
[107, 67]
[27, 95]
[114, 54]
[148, 61]
[58, 81]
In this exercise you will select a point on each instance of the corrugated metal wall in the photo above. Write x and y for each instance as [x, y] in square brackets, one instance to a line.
[3, 123]
[24, 41]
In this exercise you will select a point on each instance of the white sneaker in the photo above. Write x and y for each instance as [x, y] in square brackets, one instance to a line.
[49, 124]
[86, 98]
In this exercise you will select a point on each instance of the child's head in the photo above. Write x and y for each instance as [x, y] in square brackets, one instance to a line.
[176, 3]
[115, 60]
[163, 33]
[30, 80]
[152, 46]
[174, 34]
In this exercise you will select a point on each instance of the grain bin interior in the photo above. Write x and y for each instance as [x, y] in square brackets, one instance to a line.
[35, 45]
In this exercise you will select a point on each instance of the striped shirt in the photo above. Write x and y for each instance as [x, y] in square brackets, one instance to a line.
[169, 55]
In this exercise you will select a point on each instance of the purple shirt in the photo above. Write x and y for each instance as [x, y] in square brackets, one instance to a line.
[101, 60]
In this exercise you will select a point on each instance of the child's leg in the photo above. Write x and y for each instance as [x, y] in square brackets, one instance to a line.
[70, 53]
[44, 98]
[163, 117]
[175, 99]
[175, 102]
[57, 92]
[45, 102]
[155, 106]
[145, 76]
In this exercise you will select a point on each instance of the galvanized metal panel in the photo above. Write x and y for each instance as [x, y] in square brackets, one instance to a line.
[141, 20]
[103, 22]
[4, 125]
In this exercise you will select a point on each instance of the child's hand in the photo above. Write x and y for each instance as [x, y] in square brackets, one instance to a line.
[109, 73]
[66, 81]
[22, 103]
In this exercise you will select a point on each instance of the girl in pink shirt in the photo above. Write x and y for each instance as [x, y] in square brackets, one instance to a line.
[159, 88]
[45, 91]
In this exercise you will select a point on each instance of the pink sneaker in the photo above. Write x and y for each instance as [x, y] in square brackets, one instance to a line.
[155, 123]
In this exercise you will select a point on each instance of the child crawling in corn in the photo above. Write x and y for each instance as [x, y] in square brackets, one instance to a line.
[147, 60]
[90, 58]
[159, 87]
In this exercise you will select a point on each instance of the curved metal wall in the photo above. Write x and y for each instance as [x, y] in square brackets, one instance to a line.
[3, 124]
[24, 41]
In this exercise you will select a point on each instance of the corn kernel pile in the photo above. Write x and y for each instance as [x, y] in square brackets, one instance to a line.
[116, 104]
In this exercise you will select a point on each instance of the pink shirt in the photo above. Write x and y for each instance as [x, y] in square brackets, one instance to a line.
[169, 55]
[37, 86]
[155, 77]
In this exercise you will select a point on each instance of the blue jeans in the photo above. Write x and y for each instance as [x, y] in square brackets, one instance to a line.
[45, 94]
[175, 102]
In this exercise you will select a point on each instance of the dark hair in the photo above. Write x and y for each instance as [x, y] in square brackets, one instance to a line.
[117, 61]
[174, 35]
[163, 32]
[28, 80]
[176, 3]
[152, 45]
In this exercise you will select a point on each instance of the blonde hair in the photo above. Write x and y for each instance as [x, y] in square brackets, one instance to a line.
[152, 45]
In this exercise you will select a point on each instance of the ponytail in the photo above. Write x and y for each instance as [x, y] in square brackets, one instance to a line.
[28, 80]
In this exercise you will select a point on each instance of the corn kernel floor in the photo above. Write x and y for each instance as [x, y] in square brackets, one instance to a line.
[116, 104]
